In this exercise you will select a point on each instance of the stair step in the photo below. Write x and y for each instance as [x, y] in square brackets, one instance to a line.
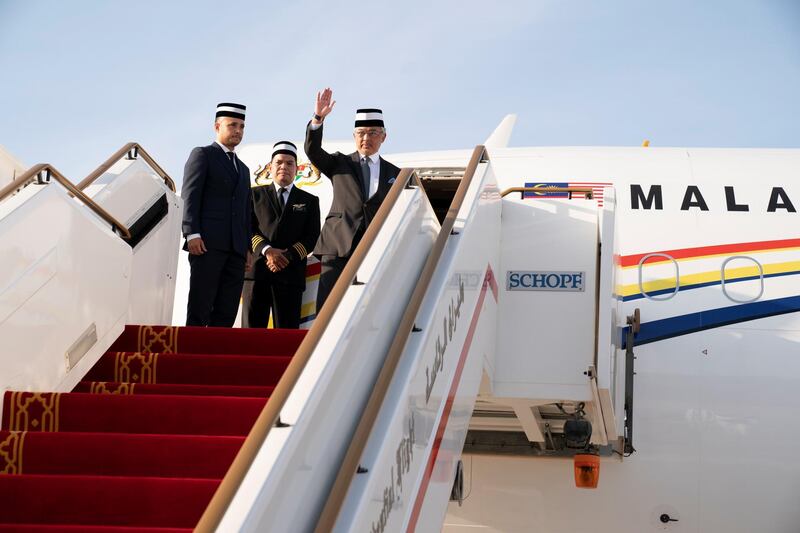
[195, 369]
[111, 387]
[116, 454]
[100, 500]
[172, 339]
[155, 413]
[60, 528]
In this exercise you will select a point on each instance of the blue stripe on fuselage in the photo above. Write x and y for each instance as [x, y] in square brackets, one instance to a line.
[676, 326]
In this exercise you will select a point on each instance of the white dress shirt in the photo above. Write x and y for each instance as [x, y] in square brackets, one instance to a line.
[227, 151]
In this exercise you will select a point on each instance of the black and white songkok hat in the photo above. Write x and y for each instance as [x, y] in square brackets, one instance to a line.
[369, 117]
[227, 109]
[284, 147]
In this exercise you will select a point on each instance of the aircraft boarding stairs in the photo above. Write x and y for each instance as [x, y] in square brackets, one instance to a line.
[356, 424]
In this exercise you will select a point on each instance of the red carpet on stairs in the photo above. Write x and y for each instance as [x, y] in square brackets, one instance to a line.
[111, 387]
[158, 339]
[49, 528]
[142, 443]
[137, 367]
[120, 454]
[167, 414]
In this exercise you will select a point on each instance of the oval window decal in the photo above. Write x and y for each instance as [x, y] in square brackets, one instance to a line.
[660, 280]
[742, 279]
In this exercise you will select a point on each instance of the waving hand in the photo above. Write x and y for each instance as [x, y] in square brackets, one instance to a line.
[324, 104]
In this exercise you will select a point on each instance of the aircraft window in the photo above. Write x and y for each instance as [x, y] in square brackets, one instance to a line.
[749, 285]
[658, 274]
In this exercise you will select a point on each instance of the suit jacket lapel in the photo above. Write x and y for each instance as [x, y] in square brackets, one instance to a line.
[287, 205]
[226, 162]
[244, 176]
[289, 200]
[386, 174]
[272, 196]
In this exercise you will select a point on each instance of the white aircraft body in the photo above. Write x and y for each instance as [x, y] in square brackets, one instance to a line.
[707, 251]
[653, 293]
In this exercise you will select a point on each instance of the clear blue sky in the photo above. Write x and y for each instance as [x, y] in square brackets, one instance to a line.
[82, 77]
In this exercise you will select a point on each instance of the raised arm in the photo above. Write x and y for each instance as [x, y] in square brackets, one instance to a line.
[313, 145]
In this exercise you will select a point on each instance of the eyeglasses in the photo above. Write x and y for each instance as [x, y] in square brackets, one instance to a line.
[367, 133]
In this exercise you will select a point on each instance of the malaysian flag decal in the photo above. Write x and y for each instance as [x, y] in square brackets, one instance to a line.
[597, 189]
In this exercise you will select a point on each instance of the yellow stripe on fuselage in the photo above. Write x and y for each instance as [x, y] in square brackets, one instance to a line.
[731, 274]
[308, 309]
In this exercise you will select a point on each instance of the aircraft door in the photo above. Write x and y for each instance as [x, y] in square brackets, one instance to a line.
[547, 319]
[609, 359]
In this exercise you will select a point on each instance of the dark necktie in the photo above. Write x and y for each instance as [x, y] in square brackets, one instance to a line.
[281, 201]
[232, 157]
[365, 174]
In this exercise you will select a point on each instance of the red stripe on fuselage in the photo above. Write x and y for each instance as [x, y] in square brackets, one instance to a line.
[686, 253]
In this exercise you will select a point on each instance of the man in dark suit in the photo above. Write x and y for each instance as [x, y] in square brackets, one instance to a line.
[360, 183]
[216, 222]
[285, 226]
